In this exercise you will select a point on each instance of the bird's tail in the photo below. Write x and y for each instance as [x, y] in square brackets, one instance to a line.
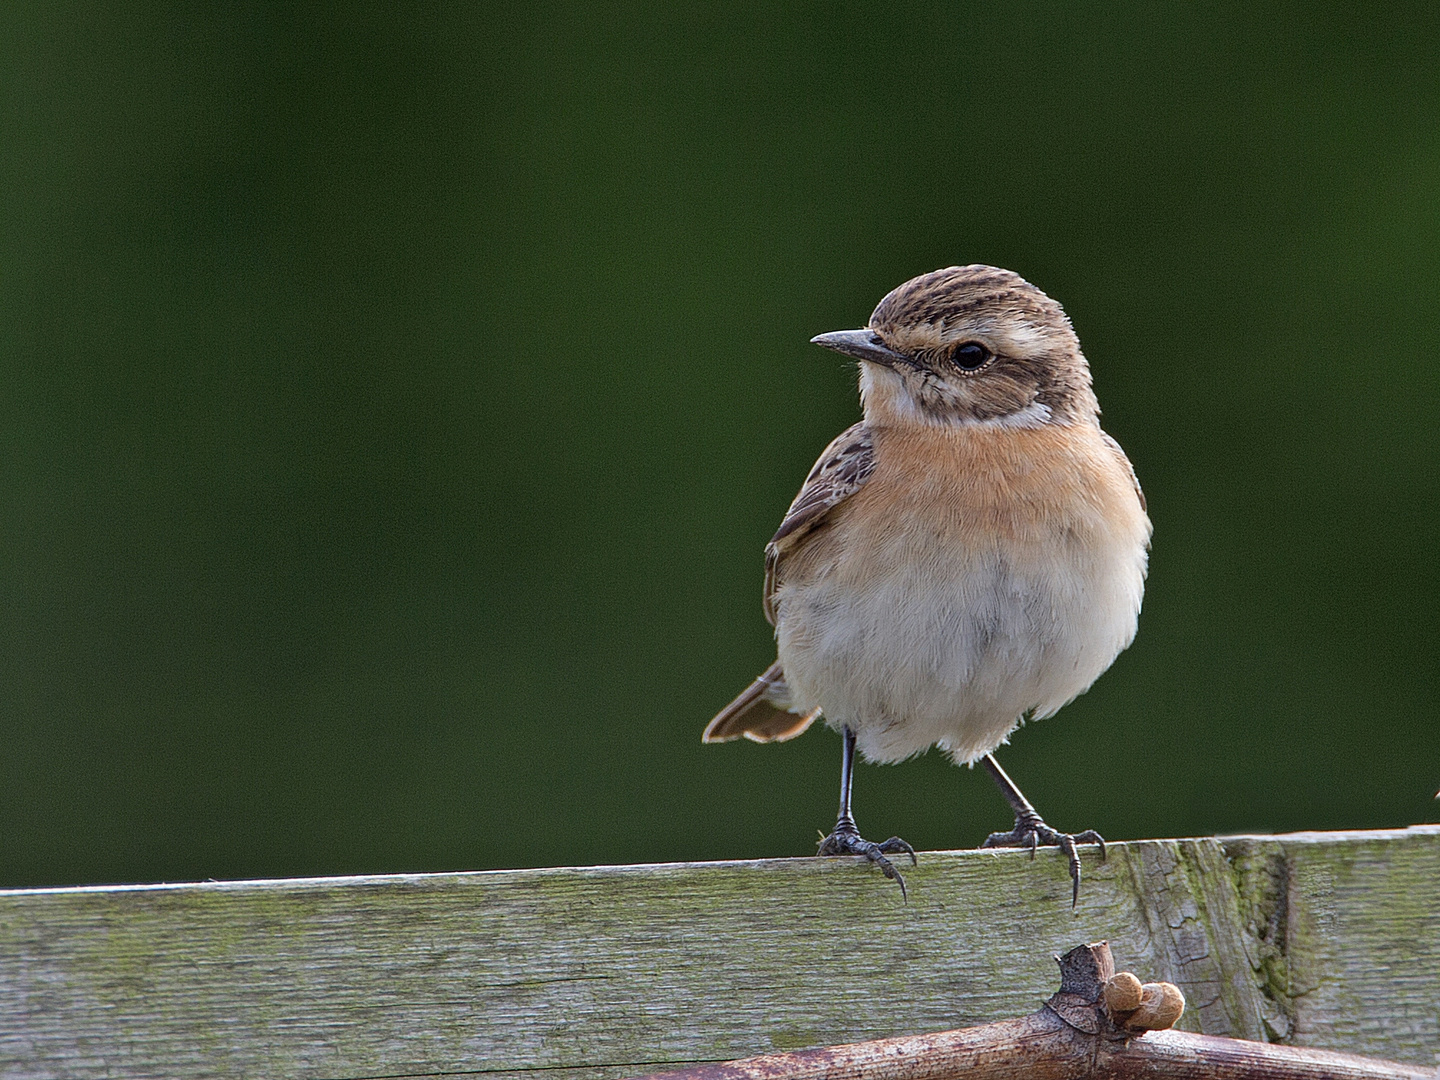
[762, 713]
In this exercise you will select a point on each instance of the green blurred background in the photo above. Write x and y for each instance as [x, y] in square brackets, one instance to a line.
[396, 399]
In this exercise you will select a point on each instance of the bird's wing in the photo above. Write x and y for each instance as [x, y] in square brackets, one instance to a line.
[1125, 461]
[841, 470]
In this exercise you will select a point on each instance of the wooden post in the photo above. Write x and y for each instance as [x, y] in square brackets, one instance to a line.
[1319, 940]
[1098, 1024]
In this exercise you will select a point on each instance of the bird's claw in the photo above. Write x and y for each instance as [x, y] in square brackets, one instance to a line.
[1031, 832]
[846, 840]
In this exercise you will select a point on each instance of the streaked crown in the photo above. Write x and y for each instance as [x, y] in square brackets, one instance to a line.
[970, 344]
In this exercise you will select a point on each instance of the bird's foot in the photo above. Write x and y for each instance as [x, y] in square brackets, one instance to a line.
[1031, 832]
[845, 839]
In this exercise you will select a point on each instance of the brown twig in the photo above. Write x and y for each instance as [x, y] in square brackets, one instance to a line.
[1099, 1024]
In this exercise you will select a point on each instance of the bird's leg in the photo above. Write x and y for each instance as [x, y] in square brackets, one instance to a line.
[845, 838]
[1030, 829]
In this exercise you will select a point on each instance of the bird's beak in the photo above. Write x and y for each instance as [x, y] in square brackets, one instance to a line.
[861, 344]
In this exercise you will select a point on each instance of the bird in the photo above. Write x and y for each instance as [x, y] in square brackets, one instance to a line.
[969, 556]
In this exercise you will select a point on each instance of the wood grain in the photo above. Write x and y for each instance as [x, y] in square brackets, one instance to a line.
[1094, 1026]
[1323, 940]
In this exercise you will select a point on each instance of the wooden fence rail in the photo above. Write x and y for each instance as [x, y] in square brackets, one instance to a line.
[1327, 940]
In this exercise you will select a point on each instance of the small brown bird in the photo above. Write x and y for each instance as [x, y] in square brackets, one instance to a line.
[970, 555]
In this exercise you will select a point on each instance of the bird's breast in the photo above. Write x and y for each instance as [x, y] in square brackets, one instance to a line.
[1043, 501]
[977, 575]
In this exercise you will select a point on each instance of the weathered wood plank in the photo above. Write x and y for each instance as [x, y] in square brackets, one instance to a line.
[1327, 940]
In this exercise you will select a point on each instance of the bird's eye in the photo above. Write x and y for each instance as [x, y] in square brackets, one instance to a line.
[971, 355]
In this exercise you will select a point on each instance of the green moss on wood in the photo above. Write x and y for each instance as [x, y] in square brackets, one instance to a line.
[1321, 940]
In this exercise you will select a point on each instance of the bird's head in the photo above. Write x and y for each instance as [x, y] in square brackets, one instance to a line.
[969, 345]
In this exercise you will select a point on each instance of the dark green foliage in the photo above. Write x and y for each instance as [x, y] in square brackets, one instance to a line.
[396, 400]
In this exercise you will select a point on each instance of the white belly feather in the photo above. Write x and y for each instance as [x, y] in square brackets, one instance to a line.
[914, 634]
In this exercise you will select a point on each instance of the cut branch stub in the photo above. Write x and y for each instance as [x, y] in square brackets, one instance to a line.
[1094, 999]
[1088, 1029]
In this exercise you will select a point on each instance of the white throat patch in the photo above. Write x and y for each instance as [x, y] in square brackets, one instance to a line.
[887, 396]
